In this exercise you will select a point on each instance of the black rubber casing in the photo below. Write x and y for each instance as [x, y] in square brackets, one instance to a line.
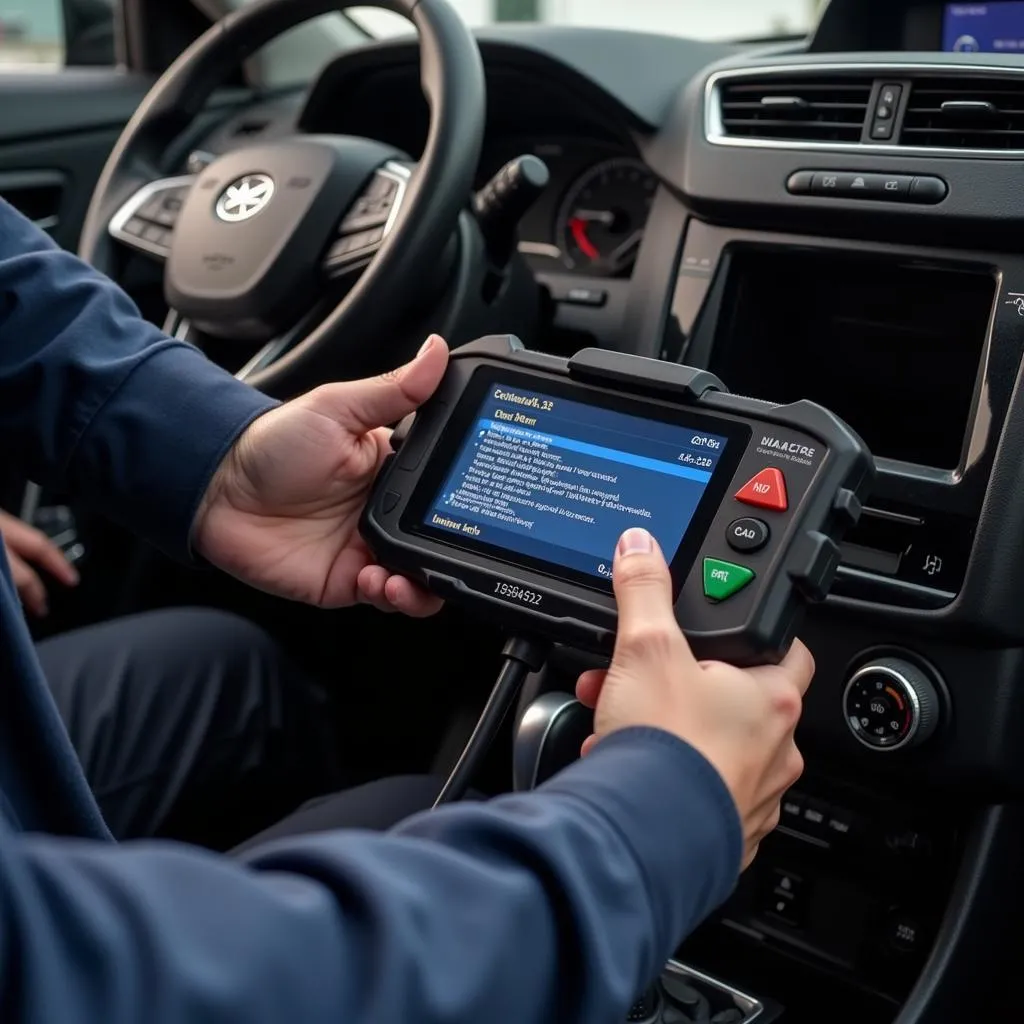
[827, 468]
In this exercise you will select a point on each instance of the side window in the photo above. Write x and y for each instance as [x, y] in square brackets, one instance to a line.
[56, 33]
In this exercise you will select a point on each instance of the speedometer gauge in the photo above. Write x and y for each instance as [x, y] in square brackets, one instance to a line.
[602, 220]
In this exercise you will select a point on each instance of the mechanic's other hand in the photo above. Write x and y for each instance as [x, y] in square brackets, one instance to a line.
[741, 720]
[28, 547]
[282, 512]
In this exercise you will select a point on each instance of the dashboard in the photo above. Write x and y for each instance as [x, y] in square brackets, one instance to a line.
[590, 220]
[837, 219]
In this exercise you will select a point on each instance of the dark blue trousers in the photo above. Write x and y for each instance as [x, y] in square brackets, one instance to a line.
[193, 724]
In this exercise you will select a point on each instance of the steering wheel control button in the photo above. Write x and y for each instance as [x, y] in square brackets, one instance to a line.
[373, 208]
[723, 580]
[890, 704]
[147, 220]
[766, 490]
[747, 534]
[368, 220]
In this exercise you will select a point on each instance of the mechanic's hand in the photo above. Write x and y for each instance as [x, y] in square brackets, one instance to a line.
[741, 720]
[28, 547]
[282, 511]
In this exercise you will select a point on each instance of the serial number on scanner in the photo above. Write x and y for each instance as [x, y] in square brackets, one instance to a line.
[521, 594]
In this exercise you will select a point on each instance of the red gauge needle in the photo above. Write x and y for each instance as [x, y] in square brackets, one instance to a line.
[578, 227]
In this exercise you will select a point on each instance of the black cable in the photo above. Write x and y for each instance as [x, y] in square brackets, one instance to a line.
[521, 658]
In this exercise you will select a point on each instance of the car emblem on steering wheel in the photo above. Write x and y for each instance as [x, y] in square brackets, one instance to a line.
[244, 198]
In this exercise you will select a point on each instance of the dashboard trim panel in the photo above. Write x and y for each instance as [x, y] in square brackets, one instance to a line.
[714, 129]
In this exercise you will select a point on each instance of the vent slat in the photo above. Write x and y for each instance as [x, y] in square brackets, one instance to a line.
[825, 108]
[772, 122]
[730, 105]
[1000, 127]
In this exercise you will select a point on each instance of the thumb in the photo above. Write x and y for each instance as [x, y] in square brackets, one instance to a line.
[643, 592]
[362, 405]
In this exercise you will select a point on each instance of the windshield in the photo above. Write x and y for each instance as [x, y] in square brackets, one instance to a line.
[696, 19]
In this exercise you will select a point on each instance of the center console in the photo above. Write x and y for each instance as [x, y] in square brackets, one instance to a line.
[841, 906]
[844, 226]
[918, 351]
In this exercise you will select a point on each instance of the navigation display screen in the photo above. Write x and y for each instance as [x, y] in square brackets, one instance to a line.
[552, 482]
[984, 28]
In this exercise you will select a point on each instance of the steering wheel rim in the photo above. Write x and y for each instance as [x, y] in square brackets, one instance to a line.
[452, 79]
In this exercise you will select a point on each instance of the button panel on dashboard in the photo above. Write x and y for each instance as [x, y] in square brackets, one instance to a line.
[900, 188]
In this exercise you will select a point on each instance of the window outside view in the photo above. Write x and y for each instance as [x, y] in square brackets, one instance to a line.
[31, 30]
[696, 19]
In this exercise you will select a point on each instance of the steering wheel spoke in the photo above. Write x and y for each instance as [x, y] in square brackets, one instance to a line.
[146, 222]
[369, 220]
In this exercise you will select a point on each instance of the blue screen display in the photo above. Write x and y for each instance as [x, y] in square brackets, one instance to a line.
[559, 481]
[984, 28]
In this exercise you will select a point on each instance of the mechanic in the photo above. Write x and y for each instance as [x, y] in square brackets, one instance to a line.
[556, 905]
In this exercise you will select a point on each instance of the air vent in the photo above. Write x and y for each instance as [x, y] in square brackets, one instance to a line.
[965, 112]
[808, 109]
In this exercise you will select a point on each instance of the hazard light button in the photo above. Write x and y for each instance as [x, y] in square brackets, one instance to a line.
[766, 490]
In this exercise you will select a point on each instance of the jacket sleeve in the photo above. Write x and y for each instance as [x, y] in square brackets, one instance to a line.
[555, 906]
[95, 399]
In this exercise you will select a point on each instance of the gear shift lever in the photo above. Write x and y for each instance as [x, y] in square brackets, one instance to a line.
[548, 738]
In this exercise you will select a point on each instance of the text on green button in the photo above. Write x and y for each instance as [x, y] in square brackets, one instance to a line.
[723, 579]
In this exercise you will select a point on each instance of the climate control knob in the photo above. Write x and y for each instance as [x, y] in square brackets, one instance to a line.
[891, 704]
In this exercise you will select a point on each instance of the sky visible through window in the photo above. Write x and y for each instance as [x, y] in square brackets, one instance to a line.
[696, 19]
[31, 31]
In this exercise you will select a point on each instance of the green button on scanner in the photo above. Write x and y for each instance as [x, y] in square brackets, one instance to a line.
[723, 579]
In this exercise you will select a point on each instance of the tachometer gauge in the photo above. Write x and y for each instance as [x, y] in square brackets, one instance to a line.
[602, 220]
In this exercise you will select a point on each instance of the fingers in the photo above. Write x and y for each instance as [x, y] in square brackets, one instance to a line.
[404, 596]
[362, 405]
[750, 855]
[33, 546]
[796, 669]
[588, 686]
[643, 591]
[769, 822]
[799, 665]
[370, 584]
[588, 745]
[377, 587]
[29, 586]
[40, 550]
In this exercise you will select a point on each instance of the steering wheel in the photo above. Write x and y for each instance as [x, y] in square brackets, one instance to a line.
[263, 244]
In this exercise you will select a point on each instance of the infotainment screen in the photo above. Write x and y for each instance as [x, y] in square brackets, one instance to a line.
[984, 28]
[551, 482]
[892, 347]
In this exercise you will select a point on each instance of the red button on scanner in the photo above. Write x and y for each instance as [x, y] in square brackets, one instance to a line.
[766, 490]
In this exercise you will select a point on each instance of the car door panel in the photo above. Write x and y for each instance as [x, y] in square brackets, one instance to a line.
[56, 133]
